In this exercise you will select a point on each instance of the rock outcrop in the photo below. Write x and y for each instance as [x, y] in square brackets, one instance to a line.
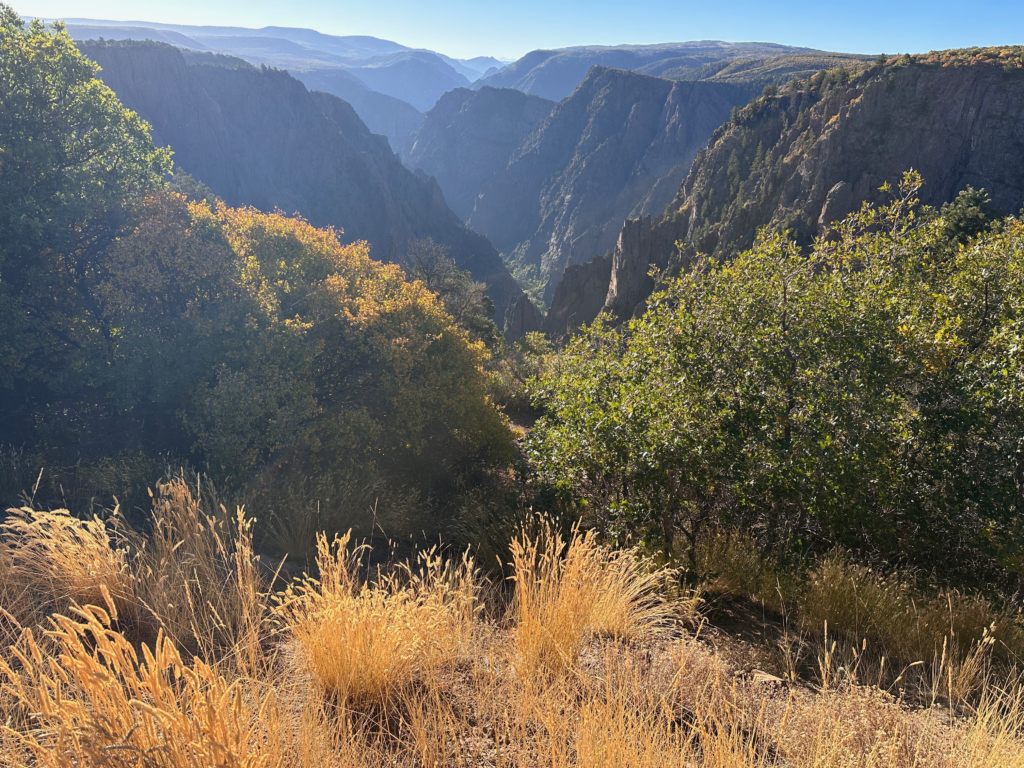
[469, 137]
[521, 318]
[643, 245]
[617, 148]
[579, 297]
[258, 137]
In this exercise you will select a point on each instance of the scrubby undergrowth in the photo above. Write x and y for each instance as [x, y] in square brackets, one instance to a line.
[583, 657]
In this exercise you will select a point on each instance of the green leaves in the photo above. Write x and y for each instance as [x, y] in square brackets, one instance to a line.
[854, 395]
[71, 158]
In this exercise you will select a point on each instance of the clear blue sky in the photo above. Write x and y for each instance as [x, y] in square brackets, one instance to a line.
[511, 28]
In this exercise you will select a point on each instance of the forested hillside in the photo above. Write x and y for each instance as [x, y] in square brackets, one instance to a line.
[805, 156]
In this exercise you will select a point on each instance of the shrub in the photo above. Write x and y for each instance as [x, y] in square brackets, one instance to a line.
[568, 591]
[866, 394]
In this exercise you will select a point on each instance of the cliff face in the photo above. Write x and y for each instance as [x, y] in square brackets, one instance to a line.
[617, 148]
[259, 138]
[806, 159]
[469, 137]
[579, 297]
[957, 118]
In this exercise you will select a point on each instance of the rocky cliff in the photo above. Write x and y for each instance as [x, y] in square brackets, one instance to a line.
[579, 297]
[617, 148]
[469, 137]
[806, 158]
[258, 137]
[809, 156]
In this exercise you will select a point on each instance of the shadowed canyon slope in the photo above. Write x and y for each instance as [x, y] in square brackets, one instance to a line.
[469, 137]
[804, 159]
[618, 147]
[259, 138]
[383, 114]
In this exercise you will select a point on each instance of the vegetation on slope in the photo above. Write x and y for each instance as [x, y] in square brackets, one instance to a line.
[764, 71]
[778, 160]
[867, 394]
[137, 321]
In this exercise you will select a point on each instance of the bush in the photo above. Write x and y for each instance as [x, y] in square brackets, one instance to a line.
[568, 591]
[868, 394]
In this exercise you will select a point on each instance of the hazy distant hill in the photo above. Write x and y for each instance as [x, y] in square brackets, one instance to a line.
[470, 136]
[618, 147]
[418, 77]
[335, 64]
[555, 74]
[258, 137]
[383, 114]
[348, 47]
[94, 32]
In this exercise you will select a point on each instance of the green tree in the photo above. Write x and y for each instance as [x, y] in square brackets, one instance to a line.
[462, 296]
[967, 216]
[71, 160]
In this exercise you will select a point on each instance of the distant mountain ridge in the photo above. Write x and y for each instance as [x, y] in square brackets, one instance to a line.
[554, 74]
[334, 64]
[258, 137]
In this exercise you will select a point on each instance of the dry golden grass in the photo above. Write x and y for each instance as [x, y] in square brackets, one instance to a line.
[943, 645]
[65, 560]
[568, 591]
[365, 643]
[588, 668]
[197, 577]
[95, 702]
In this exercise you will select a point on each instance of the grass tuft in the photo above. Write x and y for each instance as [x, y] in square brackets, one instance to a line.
[569, 590]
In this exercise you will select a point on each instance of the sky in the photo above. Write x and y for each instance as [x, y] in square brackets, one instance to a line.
[465, 28]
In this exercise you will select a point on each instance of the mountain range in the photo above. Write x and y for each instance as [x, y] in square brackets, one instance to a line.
[388, 84]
